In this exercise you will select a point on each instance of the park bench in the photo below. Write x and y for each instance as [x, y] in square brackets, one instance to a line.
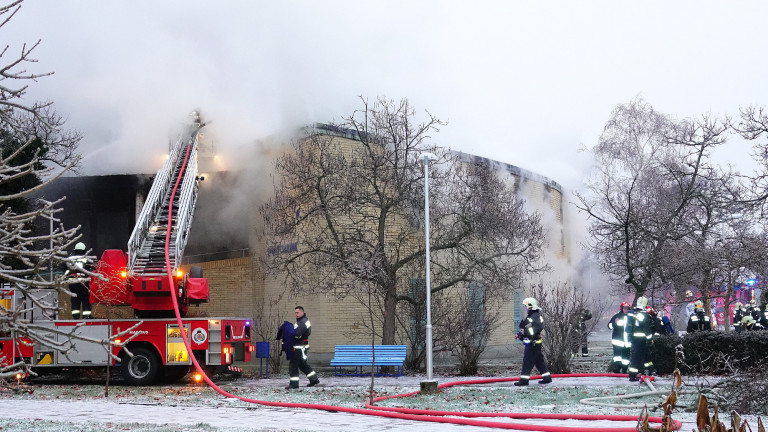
[359, 357]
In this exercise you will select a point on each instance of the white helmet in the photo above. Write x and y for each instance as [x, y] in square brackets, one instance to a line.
[80, 246]
[531, 303]
[642, 302]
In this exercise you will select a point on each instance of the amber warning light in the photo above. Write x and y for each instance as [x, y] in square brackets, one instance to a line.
[179, 273]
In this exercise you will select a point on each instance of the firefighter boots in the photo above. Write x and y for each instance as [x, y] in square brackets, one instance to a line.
[547, 379]
[522, 382]
[313, 381]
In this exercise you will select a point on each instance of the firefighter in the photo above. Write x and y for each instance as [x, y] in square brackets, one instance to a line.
[642, 336]
[749, 324]
[620, 339]
[81, 302]
[302, 330]
[530, 333]
[738, 313]
[657, 326]
[581, 335]
[754, 311]
[699, 321]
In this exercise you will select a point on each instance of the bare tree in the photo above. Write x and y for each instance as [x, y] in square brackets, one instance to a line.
[35, 150]
[650, 172]
[355, 210]
[561, 305]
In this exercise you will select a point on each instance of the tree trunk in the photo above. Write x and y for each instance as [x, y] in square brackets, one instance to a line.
[390, 308]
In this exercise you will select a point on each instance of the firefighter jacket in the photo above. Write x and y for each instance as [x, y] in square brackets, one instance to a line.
[531, 327]
[756, 313]
[738, 314]
[302, 330]
[620, 337]
[80, 263]
[641, 324]
[699, 321]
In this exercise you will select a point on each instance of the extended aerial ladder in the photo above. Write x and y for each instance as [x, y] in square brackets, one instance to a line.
[144, 283]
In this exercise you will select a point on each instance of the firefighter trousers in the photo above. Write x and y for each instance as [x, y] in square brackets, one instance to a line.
[299, 363]
[620, 359]
[640, 360]
[81, 302]
[533, 357]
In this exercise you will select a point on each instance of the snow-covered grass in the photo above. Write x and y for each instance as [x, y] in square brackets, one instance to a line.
[190, 407]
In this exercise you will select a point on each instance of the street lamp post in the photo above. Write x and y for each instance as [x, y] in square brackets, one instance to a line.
[429, 386]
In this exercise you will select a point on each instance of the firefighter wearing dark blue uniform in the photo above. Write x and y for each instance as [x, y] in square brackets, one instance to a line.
[302, 330]
[699, 321]
[81, 302]
[621, 339]
[530, 333]
[738, 313]
[642, 335]
[749, 324]
[754, 311]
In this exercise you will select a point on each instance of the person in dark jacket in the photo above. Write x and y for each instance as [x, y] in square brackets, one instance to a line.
[699, 320]
[738, 313]
[749, 324]
[642, 336]
[81, 302]
[530, 333]
[302, 330]
[580, 334]
[620, 339]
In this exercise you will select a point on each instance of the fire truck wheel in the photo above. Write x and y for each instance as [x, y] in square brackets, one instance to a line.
[173, 374]
[142, 368]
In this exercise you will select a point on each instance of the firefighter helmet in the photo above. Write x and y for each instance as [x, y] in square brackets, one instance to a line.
[650, 310]
[698, 305]
[747, 320]
[738, 305]
[753, 302]
[80, 246]
[531, 303]
[625, 305]
[642, 302]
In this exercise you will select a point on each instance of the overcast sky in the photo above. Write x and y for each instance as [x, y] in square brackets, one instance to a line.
[525, 83]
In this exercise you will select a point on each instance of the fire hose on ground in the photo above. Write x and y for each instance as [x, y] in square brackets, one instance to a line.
[452, 417]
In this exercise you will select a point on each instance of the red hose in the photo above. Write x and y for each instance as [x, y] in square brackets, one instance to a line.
[405, 413]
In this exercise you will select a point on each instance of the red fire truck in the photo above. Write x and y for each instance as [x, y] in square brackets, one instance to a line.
[150, 347]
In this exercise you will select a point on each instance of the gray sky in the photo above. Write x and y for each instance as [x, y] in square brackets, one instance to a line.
[526, 83]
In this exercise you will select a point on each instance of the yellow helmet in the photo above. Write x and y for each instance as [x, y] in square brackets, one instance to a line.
[642, 302]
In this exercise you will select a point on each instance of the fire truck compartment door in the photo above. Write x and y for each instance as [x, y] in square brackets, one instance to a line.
[84, 353]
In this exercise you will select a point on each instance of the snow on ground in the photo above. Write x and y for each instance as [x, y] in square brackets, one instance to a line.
[78, 407]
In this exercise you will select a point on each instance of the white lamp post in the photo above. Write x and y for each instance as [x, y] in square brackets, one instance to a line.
[429, 386]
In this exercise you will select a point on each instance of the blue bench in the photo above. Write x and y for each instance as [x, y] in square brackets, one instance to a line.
[359, 356]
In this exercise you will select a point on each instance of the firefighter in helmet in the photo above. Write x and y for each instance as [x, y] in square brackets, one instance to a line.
[81, 302]
[749, 324]
[642, 336]
[739, 312]
[620, 339]
[302, 330]
[756, 313]
[530, 333]
[699, 321]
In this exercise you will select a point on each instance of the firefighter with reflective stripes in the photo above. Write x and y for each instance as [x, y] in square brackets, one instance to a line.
[81, 302]
[642, 336]
[303, 328]
[739, 312]
[621, 339]
[698, 321]
[530, 333]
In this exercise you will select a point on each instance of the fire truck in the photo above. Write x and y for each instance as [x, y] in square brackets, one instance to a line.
[151, 347]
